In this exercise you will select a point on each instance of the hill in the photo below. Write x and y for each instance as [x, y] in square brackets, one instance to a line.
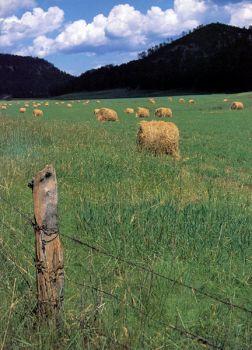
[29, 77]
[211, 58]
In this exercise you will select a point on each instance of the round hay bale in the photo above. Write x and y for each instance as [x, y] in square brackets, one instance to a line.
[22, 110]
[106, 114]
[163, 112]
[237, 105]
[98, 101]
[46, 104]
[26, 105]
[225, 100]
[129, 110]
[181, 100]
[159, 137]
[152, 101]
[37, 113]
[191, 101]
[142, 112]
[3, 107]
[169, 98]
[69, 105]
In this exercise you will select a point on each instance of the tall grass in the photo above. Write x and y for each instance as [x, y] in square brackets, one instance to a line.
[189, 220]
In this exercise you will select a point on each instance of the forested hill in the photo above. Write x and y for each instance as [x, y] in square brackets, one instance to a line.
[211, 58]
[29, 77]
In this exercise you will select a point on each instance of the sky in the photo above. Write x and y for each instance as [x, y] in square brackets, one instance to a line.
[78, 35]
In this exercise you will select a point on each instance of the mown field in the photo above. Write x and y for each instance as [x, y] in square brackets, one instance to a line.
[189, 220]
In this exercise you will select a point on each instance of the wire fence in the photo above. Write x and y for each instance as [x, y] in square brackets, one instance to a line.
[182, 331]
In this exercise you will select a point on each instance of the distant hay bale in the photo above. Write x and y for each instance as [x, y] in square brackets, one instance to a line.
[46, 104]
[142, 112]
[35, 105]
[69, 105]
[3, 107]
[86, 102]
[56, 103]
[26, 105]
[37, 113]
[152, 101]
[225, 100]
[181, 100]
[159, 137]
[105, 114]
[38, 104]
[169, 98]
[98, 101]
[129, 110]
[22, 110]
[163, 112]
[237, 105]
[191, 101]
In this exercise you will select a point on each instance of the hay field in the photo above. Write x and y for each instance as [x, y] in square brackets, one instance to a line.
[189, 220]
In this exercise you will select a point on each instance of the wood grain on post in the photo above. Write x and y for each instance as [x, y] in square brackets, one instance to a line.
[49, 251]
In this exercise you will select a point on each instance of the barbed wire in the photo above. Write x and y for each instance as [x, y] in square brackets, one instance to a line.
[146, 269]
[130, 263]
[182, 331]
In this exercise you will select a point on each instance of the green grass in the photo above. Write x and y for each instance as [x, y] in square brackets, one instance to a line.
[190, 220]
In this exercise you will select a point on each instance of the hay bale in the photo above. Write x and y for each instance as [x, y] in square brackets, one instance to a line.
[26, 105]
[163, 112]
[169, 98]
[181, 100]
[105, 114]
[22, 110]
[191, 101]
[237, 105]
[225, 100]
[46, 104]
[159, 137]
[69, 105]
[98, 101]
[142, 112]
[3, 107]
[86, 102]
[37, 113]
[152, 101]
[129, 110]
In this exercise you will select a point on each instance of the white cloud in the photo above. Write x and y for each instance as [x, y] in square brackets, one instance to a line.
[125, 29]
[241, 14]
[9, 6]
[30, 25]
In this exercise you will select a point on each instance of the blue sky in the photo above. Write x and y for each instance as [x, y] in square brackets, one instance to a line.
[77, 35]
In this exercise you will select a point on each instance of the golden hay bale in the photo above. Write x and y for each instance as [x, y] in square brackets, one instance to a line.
[38, 104]
[46, 104]
[22, 110]
[56, 103]
[163, 112]
[98, 101]
[62, 102]
[225, 100]
[142, 112]
[152, 101]
[191, 101]
[106, 114]
[181, 100]
[159, 137]
[37, 113]
[69, 105]
[169, 98]
[129, 110]
[237, 105]
[3, 107]
[26, 105]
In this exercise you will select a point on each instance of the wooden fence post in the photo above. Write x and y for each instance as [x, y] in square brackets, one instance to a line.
[48, 248]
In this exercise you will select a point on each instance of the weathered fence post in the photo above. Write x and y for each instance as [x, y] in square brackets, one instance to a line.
[49, 251]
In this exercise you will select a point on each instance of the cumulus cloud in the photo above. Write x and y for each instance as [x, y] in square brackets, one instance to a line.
[124, 29]
[10, 6]
[30, 25]
[241, 14]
